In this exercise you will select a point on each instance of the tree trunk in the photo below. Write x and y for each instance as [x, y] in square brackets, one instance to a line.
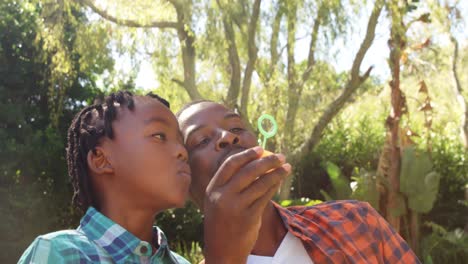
[459, 93]
[269, 74]
[187, 39]
[234, 62]
[252, 52]
[415, 231]
[397, 44]
[293, 93]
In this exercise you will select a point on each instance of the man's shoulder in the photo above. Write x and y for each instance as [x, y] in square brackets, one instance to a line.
[333, 209]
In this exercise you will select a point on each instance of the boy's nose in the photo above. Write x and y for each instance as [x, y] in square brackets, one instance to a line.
[182, 153]
[226, 139]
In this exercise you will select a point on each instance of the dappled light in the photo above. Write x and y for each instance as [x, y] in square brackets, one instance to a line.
[369, 98]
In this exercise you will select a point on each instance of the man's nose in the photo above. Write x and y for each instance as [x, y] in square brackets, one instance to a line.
[226, 139]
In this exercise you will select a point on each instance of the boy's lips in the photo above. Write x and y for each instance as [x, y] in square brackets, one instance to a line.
[185, 170]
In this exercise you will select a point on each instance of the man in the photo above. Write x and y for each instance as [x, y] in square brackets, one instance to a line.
[332, 232]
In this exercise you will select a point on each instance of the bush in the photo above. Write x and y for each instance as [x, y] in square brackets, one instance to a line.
[357, 146]
[182, 226]
[350, 145]
[451, 161]
[442, 246]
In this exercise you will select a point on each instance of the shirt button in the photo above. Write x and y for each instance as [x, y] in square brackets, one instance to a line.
[143, 250]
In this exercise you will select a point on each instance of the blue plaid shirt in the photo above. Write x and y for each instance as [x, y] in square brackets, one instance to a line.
[98, 239]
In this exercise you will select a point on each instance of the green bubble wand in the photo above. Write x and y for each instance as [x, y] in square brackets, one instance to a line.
[266, 134]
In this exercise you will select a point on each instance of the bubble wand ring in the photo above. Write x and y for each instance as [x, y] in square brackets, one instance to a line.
[267, 134]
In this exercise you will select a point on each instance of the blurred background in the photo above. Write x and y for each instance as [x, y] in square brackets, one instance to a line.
[370, 99]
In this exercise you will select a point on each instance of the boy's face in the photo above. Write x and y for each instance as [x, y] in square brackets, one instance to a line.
[211, 134]
[148, 156]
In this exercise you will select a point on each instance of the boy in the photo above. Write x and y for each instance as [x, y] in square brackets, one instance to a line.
[127, 162]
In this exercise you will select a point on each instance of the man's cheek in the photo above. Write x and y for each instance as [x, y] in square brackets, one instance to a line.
[250, 140]
[199, 165]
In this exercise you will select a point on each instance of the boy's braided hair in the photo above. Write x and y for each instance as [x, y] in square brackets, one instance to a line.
[87, 128]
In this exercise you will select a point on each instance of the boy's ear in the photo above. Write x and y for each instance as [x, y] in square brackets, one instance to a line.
[98, 161]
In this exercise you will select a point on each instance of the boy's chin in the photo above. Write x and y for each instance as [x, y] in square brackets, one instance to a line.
[179, 202]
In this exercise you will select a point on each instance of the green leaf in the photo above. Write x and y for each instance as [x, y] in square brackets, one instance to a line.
[424, 201]
[418, 181]
[313, 202]
[428, 259]
[400, 208]
[285, 203]
[366, 188]
[415, 166]
[333, 170]
[326, 195]
[340, 183]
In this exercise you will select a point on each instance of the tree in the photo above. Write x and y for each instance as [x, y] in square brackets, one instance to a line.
[354, 82]
[185, 34]
[454, 17]
[48, 74]
[239, 22]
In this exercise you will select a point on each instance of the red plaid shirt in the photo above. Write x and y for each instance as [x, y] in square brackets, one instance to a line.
[346, 232]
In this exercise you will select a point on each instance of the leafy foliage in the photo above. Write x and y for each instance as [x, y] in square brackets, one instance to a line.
[302, 201]
[190, 251]
[442, 246]
[54, 54]
[418, 181]
[36, 109]
[182, 225]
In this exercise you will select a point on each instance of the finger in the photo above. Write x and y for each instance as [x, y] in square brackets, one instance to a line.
[258, 207]
[232, 164]
[262, 185]
[254, 170]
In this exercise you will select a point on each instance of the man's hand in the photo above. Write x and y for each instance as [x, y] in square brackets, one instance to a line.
[234, 203]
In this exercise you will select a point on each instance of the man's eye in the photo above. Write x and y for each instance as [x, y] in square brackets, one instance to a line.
[236, 130]
[202, 142]
[160, 136]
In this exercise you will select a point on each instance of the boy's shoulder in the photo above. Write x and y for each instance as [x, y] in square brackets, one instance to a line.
[62, 234]
[65, 238]
[58, 246]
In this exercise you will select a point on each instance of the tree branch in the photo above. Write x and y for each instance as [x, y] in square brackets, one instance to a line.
[233, 56]
[459, 91]
[367, 42]
[355, 81]
[127, 22]
[274, 39]
[312, 46]
[252, 53]
[179, 82]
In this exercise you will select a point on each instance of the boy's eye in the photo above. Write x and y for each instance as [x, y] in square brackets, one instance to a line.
[160, 136]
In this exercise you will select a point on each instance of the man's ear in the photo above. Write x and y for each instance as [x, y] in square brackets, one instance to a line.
[98, 161]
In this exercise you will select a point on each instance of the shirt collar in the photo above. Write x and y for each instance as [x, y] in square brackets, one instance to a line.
[286, 215]
[116, 240]
[305, 229]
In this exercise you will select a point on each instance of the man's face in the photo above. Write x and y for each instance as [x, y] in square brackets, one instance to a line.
[211, 134]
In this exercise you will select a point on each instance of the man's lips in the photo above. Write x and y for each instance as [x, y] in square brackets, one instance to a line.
[229, 153]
